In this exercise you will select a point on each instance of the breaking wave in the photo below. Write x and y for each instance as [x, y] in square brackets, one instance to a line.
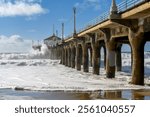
[33, 58]
[33, 54]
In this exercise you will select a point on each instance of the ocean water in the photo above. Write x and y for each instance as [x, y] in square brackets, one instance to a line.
[34, 76]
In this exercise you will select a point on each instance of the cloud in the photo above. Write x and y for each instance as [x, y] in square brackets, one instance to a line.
[20, 8]
[14, 43]
[88, 4]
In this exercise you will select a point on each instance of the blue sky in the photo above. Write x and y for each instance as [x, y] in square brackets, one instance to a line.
[28, 20]
[24, 20]
[39, 25]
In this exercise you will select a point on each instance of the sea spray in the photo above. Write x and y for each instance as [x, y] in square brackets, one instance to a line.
[43, 54]
[33, 58]
[33, 54]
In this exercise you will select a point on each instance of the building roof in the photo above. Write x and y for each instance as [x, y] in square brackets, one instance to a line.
[53, 37]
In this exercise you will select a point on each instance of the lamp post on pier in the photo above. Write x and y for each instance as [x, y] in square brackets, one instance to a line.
[74, 13]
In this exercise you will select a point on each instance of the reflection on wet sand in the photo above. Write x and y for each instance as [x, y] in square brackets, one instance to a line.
[9, 94]
[140, 94]
[113, 95]
[88, 95]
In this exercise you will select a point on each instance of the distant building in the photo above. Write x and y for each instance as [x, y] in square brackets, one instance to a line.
[52, 41]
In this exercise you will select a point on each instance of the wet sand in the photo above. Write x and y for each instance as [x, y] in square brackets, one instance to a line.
[10, 94]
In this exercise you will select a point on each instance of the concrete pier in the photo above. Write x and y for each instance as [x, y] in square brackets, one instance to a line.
[130, 26]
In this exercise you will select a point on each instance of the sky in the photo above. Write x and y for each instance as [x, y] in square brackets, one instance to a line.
[22, 21]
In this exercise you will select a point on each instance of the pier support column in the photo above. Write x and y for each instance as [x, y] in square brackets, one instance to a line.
[78, 57]
[137, 42]
[110, 58]
[118, 58]
[66, 57]
[91, 56]
[95, 53]
[104, 57]
[131, 59]
[63, 56]
[110, 62]
[55, 52]
[59, 56]
[96, 58]
[73, 52]
[69, 57]
[85, 58]
[59, 53]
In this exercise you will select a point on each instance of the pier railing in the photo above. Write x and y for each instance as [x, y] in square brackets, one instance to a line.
[128, 4]
[122, 7]
[95, 21]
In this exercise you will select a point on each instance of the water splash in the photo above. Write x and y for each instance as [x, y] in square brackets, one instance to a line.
[33, 54]
[43, 54]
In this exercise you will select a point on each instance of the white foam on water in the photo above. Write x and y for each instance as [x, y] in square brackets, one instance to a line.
[34, 71]
[43, 54]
